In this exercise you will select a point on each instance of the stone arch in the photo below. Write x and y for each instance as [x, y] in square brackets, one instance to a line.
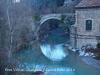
[47, 25]
[48, 19]
[49, 16]
[45, 18]
[40, 31]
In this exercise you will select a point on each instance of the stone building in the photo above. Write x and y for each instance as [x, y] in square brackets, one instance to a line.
[87, 22]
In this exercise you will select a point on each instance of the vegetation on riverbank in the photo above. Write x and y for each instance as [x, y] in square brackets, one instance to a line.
[96, 51]
[37, 18]
[62, 18]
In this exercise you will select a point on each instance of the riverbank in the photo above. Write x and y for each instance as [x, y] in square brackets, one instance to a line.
[32, 43]
[92, 62]
[86, 57]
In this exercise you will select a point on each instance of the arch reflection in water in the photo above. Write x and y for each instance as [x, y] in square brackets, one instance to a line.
[55, 53]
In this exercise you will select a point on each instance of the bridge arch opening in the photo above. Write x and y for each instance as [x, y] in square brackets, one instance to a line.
[50, 25]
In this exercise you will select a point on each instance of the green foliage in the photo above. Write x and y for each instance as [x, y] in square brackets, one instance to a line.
[62, 18]
[96, 53]
[98, 45]
[37, 18]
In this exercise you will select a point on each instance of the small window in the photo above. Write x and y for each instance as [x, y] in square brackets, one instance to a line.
[88, 24]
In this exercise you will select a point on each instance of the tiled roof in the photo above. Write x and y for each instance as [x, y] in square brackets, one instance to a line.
[88, 4]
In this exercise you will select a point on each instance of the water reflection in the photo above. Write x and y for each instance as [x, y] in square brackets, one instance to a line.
[54, 53]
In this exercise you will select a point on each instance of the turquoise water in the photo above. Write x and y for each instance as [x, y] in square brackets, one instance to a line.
[72, 64]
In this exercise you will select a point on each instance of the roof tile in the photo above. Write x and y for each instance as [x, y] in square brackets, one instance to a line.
[88, 3]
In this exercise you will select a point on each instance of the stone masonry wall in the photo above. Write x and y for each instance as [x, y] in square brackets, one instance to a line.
[87, 37]
[72, 36]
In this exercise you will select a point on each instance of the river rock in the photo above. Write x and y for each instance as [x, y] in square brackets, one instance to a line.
[67, 45]
[88, 46]
[74, 50]
[81, 53]
[70, 48]
[91, 54]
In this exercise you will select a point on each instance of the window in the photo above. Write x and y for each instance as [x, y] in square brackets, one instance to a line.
[88, 24]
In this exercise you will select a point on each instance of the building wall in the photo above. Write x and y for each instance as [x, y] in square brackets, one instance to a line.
[87, 37]
[72, 36]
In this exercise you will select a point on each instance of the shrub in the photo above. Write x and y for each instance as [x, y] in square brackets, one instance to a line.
[62, 18]
[37, 18]
[98, 45]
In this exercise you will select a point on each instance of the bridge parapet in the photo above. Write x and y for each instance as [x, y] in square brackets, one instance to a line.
[49, 16]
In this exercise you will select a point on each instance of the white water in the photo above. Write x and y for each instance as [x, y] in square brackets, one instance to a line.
[55, 53]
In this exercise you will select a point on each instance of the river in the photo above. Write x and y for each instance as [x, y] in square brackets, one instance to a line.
[53, 57]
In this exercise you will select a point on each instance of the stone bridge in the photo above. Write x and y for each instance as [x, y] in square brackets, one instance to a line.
[44, 18]
[69, 16]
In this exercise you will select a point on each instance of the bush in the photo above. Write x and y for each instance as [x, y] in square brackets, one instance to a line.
[98, 45]
[37, 18]
[62, 18]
